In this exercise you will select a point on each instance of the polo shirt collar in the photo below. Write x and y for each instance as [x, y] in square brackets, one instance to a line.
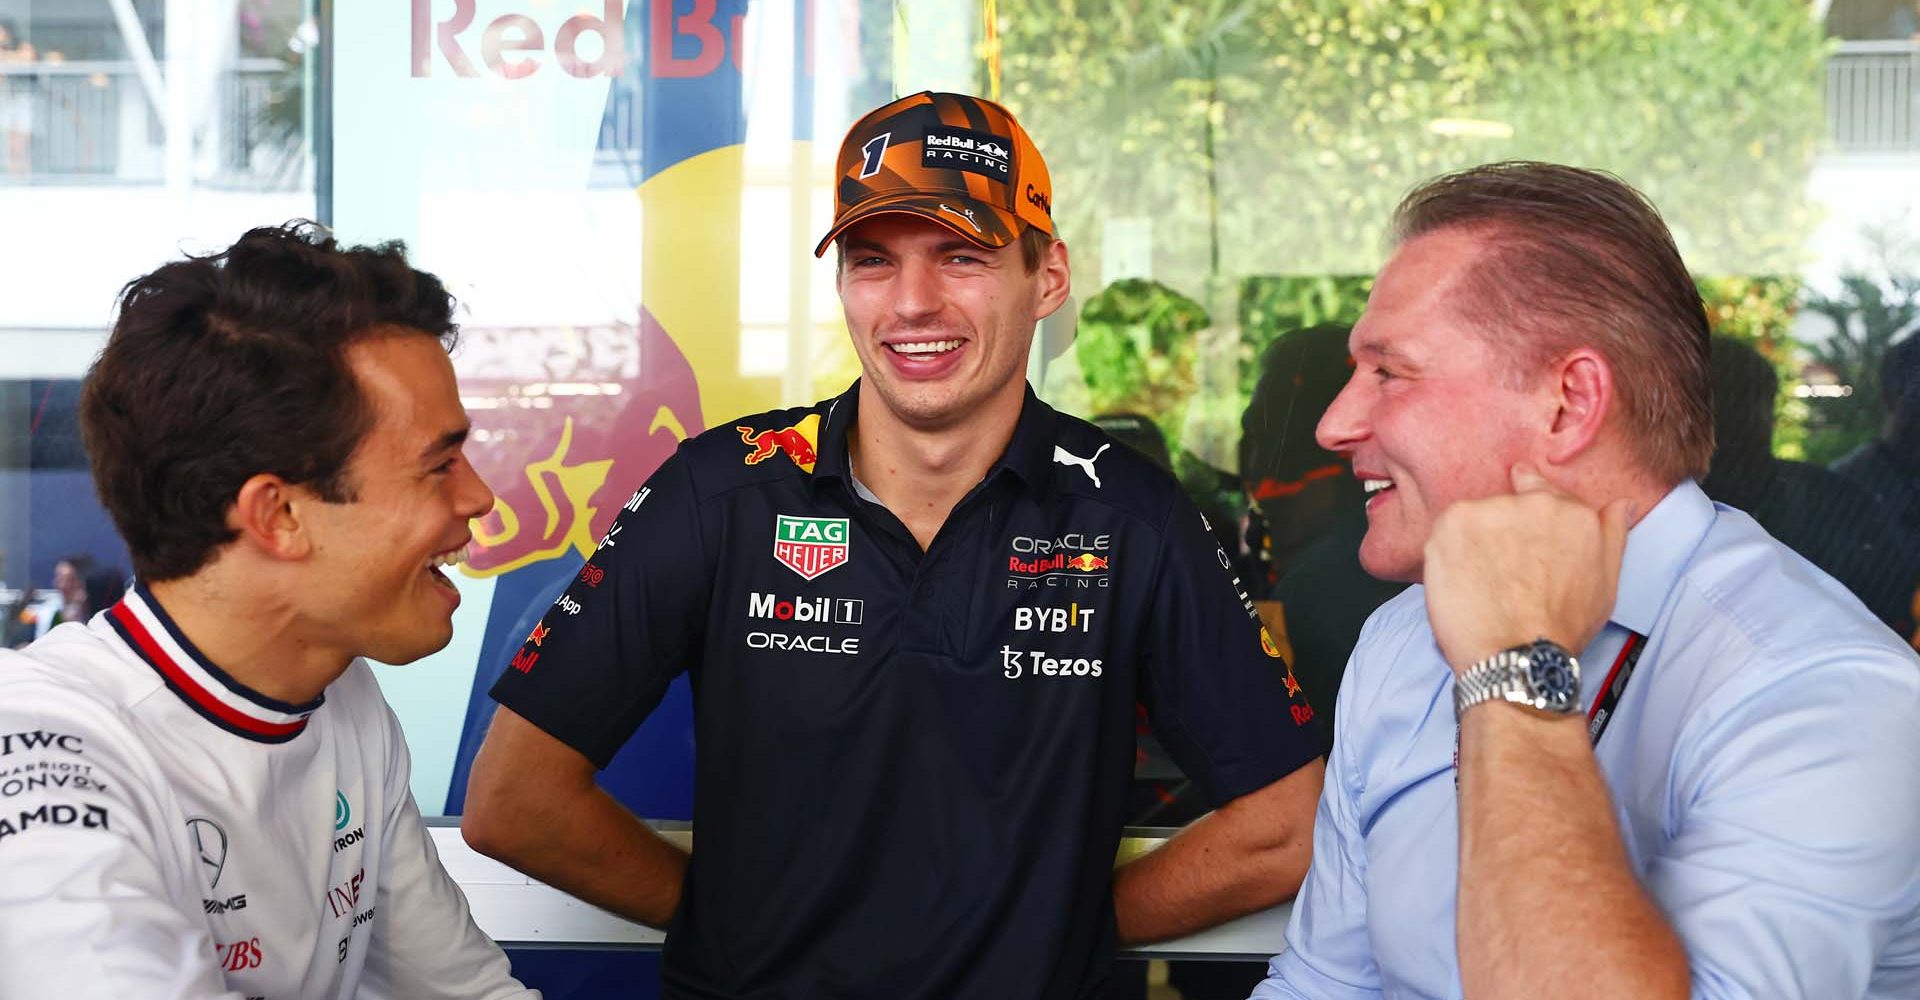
[1029, 453]
[1658, 549]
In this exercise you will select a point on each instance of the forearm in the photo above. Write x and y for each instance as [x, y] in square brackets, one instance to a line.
[1549, 904]
[588, 845]
[1246, 856]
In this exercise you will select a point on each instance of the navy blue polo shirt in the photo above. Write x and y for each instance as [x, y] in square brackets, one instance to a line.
[912, 767]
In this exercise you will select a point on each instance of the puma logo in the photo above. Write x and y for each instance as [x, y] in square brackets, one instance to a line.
[1065, 457]
[965, 213]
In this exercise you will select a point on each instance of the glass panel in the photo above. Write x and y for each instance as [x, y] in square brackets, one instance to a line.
[129, 131]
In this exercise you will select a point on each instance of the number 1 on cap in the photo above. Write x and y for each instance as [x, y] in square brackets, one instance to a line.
[874, 149]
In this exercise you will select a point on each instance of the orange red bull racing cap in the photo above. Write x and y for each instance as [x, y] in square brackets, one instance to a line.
[958, 160]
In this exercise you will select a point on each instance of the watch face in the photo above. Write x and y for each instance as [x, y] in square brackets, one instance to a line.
[1554, 677]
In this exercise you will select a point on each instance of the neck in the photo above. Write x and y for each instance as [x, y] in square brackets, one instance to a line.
[919, 473]
[1611, 471]
[251, 634]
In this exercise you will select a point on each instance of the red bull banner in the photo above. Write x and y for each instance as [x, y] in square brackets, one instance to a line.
[580, 173]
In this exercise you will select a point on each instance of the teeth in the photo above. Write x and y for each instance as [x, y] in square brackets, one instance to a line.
[453, 558]
[926, 347]
[1373, 486]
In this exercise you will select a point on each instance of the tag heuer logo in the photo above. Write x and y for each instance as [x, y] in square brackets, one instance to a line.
[810, 546]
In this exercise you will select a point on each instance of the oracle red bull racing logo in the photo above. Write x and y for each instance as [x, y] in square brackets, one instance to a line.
[796, 441]
[1070, 560]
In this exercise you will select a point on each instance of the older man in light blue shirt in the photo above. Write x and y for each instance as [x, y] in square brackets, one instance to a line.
[1727, 803]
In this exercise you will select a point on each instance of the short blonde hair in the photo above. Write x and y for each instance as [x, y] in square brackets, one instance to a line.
[1577, 258]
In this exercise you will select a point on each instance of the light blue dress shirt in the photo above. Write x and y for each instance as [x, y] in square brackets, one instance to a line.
[1764, 764]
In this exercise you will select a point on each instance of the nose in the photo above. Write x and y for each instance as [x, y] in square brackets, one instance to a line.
[472, 498]
[917, 290]
[1344, 425]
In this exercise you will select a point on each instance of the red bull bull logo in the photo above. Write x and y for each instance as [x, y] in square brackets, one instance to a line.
[1087, 562]
[563, 460]
[796, 441]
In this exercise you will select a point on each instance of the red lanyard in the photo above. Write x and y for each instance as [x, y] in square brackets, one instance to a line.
[1603, 706]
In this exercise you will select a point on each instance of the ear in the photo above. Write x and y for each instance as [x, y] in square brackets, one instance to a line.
[1056, 280]
[266, 514]
[1582, 396]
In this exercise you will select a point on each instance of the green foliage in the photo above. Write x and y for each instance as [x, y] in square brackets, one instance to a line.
[1270, 140]
[1135, 347]
[1272, 305]
[1865, 316]
[1275, 136]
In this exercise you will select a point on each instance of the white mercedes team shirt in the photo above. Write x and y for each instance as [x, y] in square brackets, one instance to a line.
[168, 833]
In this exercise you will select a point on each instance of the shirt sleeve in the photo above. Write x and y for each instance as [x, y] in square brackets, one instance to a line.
[90, 908]
[425, 944]
[1796, 859]
[634, 618]
[1222, 699]
[1329, 955]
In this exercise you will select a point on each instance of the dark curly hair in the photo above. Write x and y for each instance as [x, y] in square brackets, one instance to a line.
[223, 367]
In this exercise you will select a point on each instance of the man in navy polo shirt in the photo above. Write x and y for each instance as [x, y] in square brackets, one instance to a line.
[917, 619]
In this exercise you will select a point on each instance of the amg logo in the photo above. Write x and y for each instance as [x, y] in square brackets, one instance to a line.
[835, 610]
[226, 905]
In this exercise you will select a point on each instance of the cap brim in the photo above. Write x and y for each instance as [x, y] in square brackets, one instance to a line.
[975, 220]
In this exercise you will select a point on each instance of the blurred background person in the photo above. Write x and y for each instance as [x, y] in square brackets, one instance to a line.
[1831, 520]
[1889, 465]
[1306, 513]
[70, 581]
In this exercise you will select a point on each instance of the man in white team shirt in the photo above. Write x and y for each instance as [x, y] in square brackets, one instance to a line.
[202, 792]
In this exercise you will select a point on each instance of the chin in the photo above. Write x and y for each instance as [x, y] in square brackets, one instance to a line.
[1387, 566]
[399, 651]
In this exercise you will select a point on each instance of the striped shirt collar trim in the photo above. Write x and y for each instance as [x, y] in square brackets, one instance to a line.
[206, 689]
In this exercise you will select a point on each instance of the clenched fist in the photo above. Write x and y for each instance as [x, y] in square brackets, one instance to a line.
[1506, 570]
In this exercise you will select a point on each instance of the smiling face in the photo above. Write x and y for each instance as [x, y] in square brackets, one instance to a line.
[1431, 415]
[942, 325]
[374, 584]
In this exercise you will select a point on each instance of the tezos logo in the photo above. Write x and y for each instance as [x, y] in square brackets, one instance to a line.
[1015, 662]
[810, 546]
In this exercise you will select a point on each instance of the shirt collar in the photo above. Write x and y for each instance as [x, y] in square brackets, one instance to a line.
[1657, 550]
[1029, 453]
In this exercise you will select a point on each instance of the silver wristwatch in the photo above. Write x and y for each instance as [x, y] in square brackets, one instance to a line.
[1540, 675]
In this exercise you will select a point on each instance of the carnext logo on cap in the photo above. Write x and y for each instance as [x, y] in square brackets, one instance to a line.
[982, 153]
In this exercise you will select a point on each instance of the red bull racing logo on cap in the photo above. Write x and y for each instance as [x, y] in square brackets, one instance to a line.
[810, 546]
[796, 441]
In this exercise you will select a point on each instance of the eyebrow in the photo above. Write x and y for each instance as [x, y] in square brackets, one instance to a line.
[958, 244]
[446, 442]
[1375, 349]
